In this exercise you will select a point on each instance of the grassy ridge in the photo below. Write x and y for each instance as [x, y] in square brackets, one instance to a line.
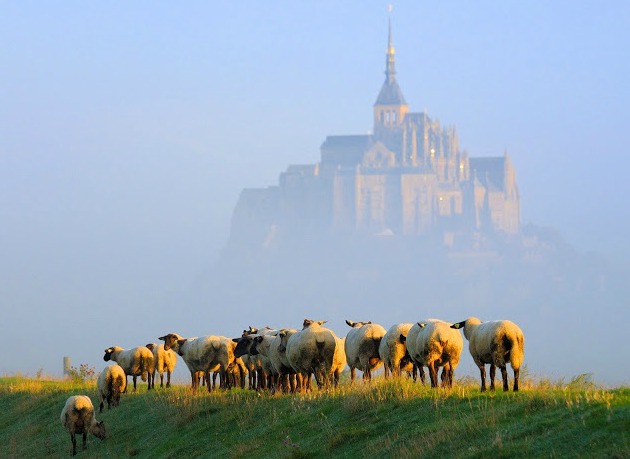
[392, 418]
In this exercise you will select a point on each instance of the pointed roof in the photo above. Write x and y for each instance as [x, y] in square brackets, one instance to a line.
[390, 91]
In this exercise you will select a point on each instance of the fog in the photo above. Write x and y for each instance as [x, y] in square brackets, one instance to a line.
[128, 131]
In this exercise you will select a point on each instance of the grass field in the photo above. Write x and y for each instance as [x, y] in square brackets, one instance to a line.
[384, 418]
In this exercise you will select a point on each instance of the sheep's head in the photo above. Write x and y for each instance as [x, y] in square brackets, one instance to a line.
[459, 325]
[99, 430]
[170, 340]
[243, 345]
[357, 324]
[108, 354]
[253, 350]
[308, 322]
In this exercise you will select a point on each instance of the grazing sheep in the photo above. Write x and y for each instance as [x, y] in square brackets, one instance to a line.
[362, 344]
[165, 361]
[110, 384]
[312, 351]
[135, 362]
[393, 350]
[437, 345]
[78, 417]
[495, 343]
[208, 354]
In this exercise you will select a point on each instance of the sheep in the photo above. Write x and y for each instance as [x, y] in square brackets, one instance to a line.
[135, 362]
[78, 417]
[312, 351]
[259, 366]
[437, 345]
[165, 361]
[361, 346]
[289, 378]
[495, 343]
[209, 353]
[393, 351]
[261, 345]
[339, 359]
[110, 384]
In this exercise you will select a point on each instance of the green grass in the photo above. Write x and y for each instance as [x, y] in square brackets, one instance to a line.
[386, 418]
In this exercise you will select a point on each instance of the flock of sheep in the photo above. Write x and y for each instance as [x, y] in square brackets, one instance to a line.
[287, 359]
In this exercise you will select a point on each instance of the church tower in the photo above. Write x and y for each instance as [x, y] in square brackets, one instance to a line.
[390, 107]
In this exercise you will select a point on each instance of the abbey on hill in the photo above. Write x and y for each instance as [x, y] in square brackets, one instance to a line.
[407, 178]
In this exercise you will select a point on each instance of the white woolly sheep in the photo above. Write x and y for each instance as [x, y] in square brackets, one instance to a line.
[209, 353]
[393, 350]
[361, 346]
[259, 366]
[437, 345]
[312, 351]
[495, 343]
[339, 359]
[261, 346]
[165, 361]
[78, 417]
[290, 379]
[110, 384]
[135, 362]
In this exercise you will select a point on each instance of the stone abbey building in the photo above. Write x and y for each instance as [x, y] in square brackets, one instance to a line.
[409, 177]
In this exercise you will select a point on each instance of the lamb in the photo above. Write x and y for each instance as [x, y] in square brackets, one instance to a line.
[165, 361]
[78, 417]
[393, 351]
[110, 384]
[361, 346]
[312, 350]
[495, 343]
[437, 345]
[209, 353]
[135, 362]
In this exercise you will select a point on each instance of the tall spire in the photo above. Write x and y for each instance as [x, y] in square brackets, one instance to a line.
[390, 58]
[390, 92]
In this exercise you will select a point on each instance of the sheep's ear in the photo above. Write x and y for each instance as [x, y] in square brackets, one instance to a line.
[236, 340]
[403, 338]
[306, 323]
[421, 325]
[350, 323]
[163, 338]
[274, 334]
[459, 325]
[369, 322]
[181, 341]
[321, 322]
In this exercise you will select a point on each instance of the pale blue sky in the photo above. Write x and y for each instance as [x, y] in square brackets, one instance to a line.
[127, 129]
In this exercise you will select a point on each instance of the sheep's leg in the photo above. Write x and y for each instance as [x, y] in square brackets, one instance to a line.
[73, 438]
[168, 379]
[505, 379]
[516, 373]
[386, 371]
[353, 374]
[482, 370]
[100, 409]
[134, 382]
[84, 440]
[414, 372]
[421, 372]
[493, 371]
[433, 374]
